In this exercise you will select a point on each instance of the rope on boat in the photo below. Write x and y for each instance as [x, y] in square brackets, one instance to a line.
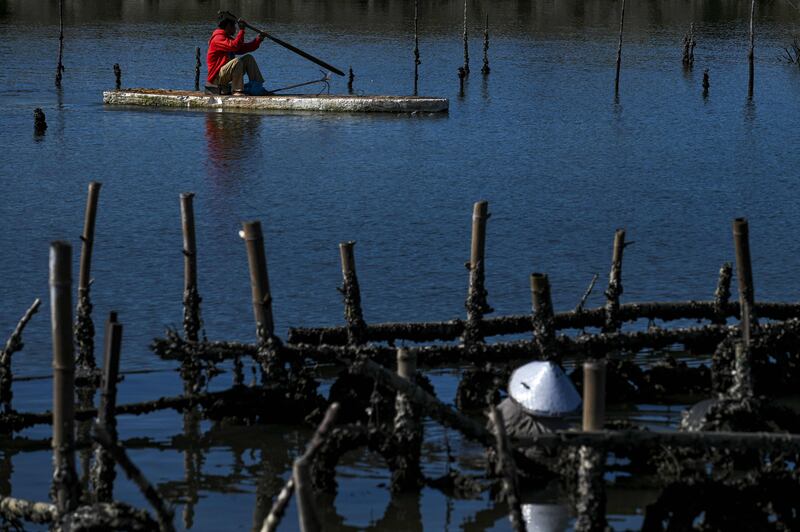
[325, 81]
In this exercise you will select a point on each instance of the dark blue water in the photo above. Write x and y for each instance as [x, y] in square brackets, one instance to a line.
[542, 138]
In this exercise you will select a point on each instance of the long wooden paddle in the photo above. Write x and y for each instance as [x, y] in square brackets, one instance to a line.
[288, 46]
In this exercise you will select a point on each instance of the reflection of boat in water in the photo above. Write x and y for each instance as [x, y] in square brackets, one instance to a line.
[274, 102]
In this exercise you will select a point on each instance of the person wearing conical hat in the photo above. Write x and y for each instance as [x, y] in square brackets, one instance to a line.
[540, 397]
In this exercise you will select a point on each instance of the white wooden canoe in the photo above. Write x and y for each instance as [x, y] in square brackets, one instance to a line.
[289, 102]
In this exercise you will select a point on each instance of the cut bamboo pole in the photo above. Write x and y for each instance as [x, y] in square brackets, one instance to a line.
[104, 472]
[619, 48]
[614, 290]
[307, 515]
[744, 276]
[407, 429]
[259, 280]
[60, 65]
[508, 469]
[191, 296]
[117, 76]
[353, 315]
[84, 326]
[722, 294]
[591, 496]
[476, 303]
[197, 66]
[594, 395]
[13, 345]
[751, 54]
[466, 40]
[417, 62]
[64, 478]
[164, 513]
[742, 375]
[485, 70]
[544, 333]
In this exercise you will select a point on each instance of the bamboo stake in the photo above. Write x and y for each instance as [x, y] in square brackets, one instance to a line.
[259, 280]
[104, 472]
[279, 507]
[485, 69]
[84, 326]
[619, 48]
[742, 375]
[407, 429]
[594, 395]
[306, 511]
[476, 303]
[751, 52]
[744, 276]
[466, 41]
[614, 290]
[417, 62]
[353, 314]
[350, 78]
[591, 504]
[60, 66]
[722, 294]
[64, 478]
[191, 295]
[544, 333]
[164, 514]
[197, 66]
[13, 345]
[117, 76]
[508, 469]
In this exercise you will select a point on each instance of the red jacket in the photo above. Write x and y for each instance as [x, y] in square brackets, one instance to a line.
[222, 48]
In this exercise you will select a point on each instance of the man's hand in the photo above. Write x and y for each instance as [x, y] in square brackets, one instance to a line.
[242, 23]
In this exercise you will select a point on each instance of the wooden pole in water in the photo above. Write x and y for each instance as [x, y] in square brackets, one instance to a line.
[544, 332]
[60, 66]
[13, 344]
[485, 69]
[64, 478]
[742, 376]
[350, 78]
[594, 395]
[117, 76]
[191, 296]
[751, 52]
[619, 47]
[259, 279]
[407, 428]
[197, 66]
[476, 295]
[417, 60]
[84, 327]
[306, 511]
[104, 471]
[508, 470]
[466, 40]
[353, 315]
[614, 290]
[744, 276]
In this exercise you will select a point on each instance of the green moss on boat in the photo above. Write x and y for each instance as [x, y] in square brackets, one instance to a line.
[289, 102]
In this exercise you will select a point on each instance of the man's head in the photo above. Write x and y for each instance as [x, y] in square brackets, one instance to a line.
[227, 23]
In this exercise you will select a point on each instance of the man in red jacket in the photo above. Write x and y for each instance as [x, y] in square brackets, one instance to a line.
[223, 65]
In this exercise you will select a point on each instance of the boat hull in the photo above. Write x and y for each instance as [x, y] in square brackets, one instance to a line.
[297, 102]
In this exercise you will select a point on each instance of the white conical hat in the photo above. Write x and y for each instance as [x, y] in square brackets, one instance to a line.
[543, 389]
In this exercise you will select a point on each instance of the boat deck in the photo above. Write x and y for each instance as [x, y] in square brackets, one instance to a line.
[287, 102]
